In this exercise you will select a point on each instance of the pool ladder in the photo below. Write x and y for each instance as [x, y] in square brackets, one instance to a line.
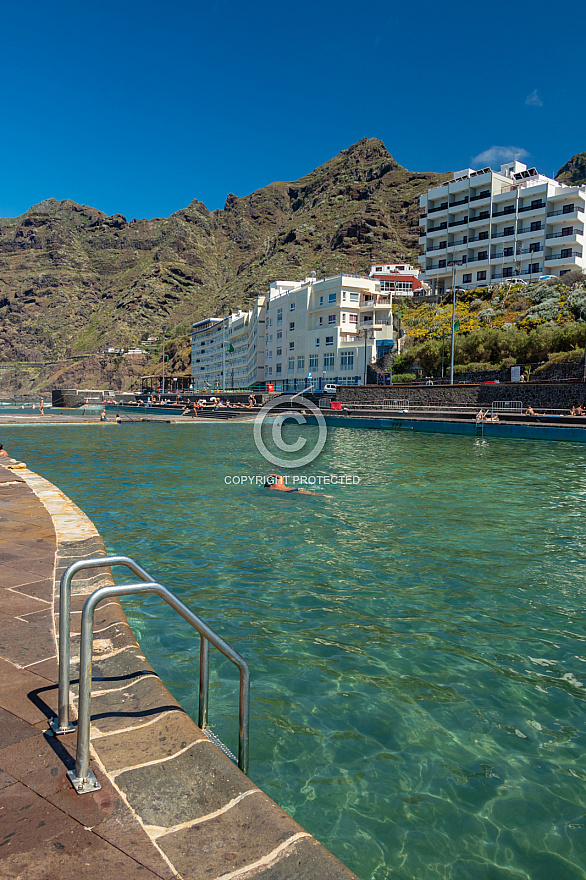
[82, 778]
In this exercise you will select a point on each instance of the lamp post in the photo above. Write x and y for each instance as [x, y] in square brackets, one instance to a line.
[453, 320]
[364, 333]
[163, 382]
[584, 370]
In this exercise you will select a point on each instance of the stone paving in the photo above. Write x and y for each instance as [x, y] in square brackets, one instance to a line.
[171, 803]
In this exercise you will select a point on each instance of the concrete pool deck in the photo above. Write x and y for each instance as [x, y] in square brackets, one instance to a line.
[171, 803]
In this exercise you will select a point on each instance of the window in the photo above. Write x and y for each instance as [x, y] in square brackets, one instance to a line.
[353, 319]
[279, 334]
[292, 307]
[343, 296]
[483, 235]
[279, 316]
[300, 363]
[483, 215]
[291, 346]
[278, 368]
[313, 361]
[329, 361]
[269, 354]
[566, 252]
[344, 316]
[317, 342]
[321, 300]
[509, 209]
[535, 225]
[354, 297]
[331, 319]
[347, 360]
[332, 298]
[534, 267]
[442, 245]
[279, 352]
[534, 247]
[441, 264]
[481, 276]
[291, 325]
[508, 252]
[567, 230]
[329, 340]
[270, 371]
[291, 366]
[483, 255]
[537, 203]
[320, 322]
[567, 209]
[509, 230]
[467, 278]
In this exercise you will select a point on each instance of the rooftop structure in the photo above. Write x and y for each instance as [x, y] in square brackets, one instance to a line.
[400, 279]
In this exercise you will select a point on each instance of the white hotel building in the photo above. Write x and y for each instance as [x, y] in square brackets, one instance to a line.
[302, 334]
[484, 226]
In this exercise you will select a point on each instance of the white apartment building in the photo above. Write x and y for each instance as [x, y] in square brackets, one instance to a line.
[398, 278]
[229, 352]
[301, 334]
[484, 226]
[326, 331]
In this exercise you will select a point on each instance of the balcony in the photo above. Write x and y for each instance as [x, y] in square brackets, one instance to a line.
[504, 213]
[480, 218]
[568, 257]
[570, 234]
[439, 247]
[458, 222]
[561, 216]
[442, 207]
[503, 234]
[538, 206]
[440, 228]
[484, 195]
[463, 201]
[527, 231]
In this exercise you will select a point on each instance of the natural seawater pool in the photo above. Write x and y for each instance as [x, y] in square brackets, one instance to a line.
[417, 643]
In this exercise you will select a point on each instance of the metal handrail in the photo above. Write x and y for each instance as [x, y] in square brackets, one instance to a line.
[62, 724]
[82, 778]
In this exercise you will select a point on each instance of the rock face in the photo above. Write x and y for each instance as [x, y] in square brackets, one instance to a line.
[73, 279]
[574, 171]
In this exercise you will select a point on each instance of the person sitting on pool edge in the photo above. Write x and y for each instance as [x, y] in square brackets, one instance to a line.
[274, 481]
[2, 450]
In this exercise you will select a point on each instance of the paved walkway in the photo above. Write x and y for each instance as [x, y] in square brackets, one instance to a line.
[171, 804]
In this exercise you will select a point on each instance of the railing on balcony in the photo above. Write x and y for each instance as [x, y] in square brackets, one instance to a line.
[503, 234]
[463, 201]
[458, 222]
[482, 195]
[576, 209]
[536, 207]
[437, 228]
[565, 233]
[441, 207]
[503, 213]
[567, 256]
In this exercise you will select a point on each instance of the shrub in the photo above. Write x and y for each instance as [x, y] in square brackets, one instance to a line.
[538, 293]
[575, 276]
[476, 303]
[404, 377]
[576, 301]
[486, 315]
[544, 311]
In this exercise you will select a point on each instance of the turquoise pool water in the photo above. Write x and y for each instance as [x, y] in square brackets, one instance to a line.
[417, 643]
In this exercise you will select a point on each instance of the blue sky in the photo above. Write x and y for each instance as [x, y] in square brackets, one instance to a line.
[138, 108]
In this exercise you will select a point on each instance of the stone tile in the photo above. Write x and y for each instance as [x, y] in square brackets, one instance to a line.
[92, 808]
[197, 782]
[41, 762]
[123, 830]
[48, 669]
[29, 696]
[239, 837]
[6, 779]
[75, 852]
[13, 729]
[17, 604]
[22, 642]
[16, 577]
[44, 617]
[39, 589]
[165, 737]
[26, 821]
[305, 860]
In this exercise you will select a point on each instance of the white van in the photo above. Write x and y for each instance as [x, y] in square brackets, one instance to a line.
[330, 389]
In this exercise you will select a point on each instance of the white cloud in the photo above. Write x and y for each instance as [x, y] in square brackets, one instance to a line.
[533, 100]
[499, 155]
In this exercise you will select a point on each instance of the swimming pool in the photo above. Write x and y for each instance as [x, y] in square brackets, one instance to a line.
[416, 642]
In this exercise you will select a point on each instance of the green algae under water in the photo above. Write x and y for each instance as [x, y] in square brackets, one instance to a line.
[417, 642]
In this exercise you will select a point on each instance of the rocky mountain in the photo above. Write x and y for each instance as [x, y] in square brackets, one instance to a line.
[73, 279]
[574, 171]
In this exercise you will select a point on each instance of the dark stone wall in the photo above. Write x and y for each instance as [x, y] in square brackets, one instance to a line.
[546, 395]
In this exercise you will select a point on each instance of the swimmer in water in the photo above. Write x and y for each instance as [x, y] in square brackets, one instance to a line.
[275, 482]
